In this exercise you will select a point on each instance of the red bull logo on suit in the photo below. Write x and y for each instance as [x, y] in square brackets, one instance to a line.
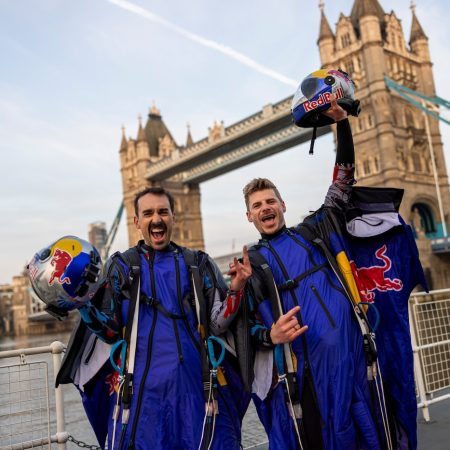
[373, 278]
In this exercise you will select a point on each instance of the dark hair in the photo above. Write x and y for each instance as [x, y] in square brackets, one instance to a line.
[259, 184]
[154, 191]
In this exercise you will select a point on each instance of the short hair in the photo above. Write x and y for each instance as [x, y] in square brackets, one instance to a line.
[155, 191]
[259, 184]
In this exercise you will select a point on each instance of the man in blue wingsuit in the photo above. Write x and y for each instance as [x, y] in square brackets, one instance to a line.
[166, 372]
[316, 296]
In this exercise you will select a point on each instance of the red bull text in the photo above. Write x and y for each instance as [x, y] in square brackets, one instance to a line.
[322, 100]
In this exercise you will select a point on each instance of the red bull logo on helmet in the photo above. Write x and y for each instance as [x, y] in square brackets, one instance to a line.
[60, 261]
[373, 278]
[322, 100]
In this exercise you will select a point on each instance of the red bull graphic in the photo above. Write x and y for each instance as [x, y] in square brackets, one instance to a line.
[322, 100]
[232, 307]
[60, 261]
[370, 279]
[112, 379]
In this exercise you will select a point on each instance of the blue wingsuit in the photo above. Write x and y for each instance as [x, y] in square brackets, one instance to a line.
[167, 405]
[342, 408]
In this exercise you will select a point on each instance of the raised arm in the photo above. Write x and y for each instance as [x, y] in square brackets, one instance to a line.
[344, 169]
[225, 309]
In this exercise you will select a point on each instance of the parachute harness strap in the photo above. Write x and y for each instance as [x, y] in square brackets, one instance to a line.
[127, 347]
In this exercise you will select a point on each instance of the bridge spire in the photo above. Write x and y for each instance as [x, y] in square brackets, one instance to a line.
[124, 142]
[325, 29]
[416, 29]
[189, 140]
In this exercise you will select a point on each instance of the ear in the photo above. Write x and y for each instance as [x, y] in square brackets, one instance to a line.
[283, 206]
[249, 217]
[136, 223]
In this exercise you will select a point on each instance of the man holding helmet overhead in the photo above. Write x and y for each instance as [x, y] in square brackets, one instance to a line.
[310, 307]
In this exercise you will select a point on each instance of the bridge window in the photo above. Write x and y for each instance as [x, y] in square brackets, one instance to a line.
[366, 167]
[345, 40]
[377, 164]
[417, 162]
[425, 215]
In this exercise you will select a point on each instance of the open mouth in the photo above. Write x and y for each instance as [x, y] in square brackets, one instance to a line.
[158, 232]
[268, 218]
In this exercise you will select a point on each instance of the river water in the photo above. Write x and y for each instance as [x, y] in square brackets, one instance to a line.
[76, 422]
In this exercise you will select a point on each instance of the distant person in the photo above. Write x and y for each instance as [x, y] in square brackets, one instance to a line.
[168, 385]
[316, 381]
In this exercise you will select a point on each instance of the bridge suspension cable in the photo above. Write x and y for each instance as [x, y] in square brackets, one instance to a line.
[112, 233]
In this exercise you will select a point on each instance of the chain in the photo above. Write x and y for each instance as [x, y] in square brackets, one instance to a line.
[82, 444]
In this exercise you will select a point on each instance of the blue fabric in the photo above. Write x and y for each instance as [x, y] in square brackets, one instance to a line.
[171, 398]
[334, 350]
[398, 266]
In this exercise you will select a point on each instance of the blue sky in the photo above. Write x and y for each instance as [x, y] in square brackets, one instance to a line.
[73, 73]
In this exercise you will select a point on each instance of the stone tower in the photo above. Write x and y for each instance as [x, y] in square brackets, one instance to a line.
[390, 135]
[154, 142]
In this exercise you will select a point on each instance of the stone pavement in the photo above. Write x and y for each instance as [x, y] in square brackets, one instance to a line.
[434, 435]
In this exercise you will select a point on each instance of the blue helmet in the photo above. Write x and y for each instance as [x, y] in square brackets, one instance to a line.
[313, 96]
[65, 274]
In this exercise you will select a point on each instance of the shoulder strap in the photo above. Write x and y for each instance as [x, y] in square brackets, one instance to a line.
[201, 309]
[258, 260]
[132, 259]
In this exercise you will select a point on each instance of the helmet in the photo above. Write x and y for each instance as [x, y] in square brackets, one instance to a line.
[313, 96]
[65, 274]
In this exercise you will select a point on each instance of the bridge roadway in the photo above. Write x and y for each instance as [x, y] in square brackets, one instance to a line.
[262, 134]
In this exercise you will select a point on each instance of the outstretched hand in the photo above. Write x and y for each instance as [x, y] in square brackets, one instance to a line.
[240, 272]
[335, 112]
[287, 328]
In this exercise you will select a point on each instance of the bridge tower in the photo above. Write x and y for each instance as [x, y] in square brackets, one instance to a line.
[153, 143]
[390, 135]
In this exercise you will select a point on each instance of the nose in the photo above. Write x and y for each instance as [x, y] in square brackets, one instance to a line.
[266, 207]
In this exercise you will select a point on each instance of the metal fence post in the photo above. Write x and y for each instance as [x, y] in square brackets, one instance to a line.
[420, 384]
[61, 434]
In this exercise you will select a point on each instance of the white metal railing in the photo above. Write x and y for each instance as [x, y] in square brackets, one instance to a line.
[430, 336]
[25, 400]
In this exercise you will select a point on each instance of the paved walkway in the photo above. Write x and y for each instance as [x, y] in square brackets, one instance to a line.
[434, 435]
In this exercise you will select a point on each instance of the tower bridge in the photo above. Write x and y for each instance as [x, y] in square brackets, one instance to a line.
[393, 147]
[263, 134]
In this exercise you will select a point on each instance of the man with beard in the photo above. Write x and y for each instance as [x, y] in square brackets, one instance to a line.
[168, 369]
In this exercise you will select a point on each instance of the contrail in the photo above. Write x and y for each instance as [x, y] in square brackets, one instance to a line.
[240, 57]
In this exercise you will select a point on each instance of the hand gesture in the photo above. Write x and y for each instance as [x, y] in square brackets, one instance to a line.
[240, 272]
[335, 111]
[287, 328]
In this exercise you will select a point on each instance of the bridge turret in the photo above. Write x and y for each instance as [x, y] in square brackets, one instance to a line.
[326, 40]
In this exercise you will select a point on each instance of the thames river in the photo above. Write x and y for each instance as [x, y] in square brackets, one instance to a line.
[76, 422]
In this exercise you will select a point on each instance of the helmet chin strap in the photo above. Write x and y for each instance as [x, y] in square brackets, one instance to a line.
[313, 140]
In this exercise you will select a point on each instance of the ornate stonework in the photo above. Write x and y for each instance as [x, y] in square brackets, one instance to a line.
[390, 138]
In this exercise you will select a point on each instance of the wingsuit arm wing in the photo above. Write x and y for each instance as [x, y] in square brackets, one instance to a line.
[102, 314]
